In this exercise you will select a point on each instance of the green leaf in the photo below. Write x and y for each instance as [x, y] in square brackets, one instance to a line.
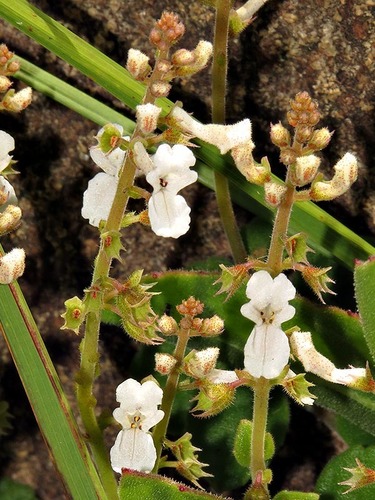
[46, 396]
[334, 473]
[242, 443]
[147, 486]
[351, 434]
[364, 281]
[11, 490]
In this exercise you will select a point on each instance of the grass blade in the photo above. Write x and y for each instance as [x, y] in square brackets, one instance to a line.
[46, 396]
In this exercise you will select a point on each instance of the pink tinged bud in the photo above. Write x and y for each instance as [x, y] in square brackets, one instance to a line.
[137, 64]
[274, 193]
[17, 101]
[183, 57]
[346, 171]
[160, 89]
[12, 265]
[202, 53]
[280, 136]
[199, 364]
[320, 139]
[147, 117]
[167, 325]
[305, 170]
[5, 84]
[9, 219]
[164, 363]
[244, 161]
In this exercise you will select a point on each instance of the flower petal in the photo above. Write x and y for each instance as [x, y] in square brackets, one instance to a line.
[6, 144]
[133, 449]
[169, 214]
[98, 198]
[217, 376]
[7, 187]
[266, 352]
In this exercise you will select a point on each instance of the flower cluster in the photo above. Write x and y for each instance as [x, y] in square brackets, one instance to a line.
[267, 348]
[138, 412]
[167, 171]
[12, 264]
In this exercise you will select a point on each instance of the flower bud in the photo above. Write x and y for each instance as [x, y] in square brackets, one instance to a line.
[320, 139]
[243, 158]
[183, 57]
[346, 171]
[167, 325]
[164, 363]
[147, 117]
[137, 64]
[305, 170]
[160, 89]
[17, 101]
[274, 193]
[12, 265]
[9, 219]
[5, 83]
[280, 136]
[199, 364]
[212, 326]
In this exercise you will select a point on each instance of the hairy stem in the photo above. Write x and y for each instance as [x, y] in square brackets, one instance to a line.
[169, 394]
[219, 78]
[260, 414]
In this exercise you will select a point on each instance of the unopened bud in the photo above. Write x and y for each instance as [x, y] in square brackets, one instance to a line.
[167, 325]
[13, 67]
[202, 53]
[137, 64]
[303, 134]
[199, 59]
[160, 89]
[212, 326]
[320, 139]
[9, 219]
[12, 265]
[183, 57]
[346, 171]
[147, 117]
[274, 193]
[163, 65]
[305, 170]
[17, 101]
[280, 136]
[164, 363]
[5, 83]
[199, 364]
[288, 156]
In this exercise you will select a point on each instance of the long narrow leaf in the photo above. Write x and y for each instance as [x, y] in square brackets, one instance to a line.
[46, 396]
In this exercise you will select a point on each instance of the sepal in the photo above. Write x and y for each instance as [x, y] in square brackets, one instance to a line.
[361, 476]
[187, 464]
[212, 398]
[297, 387]
[74, 314]
[111, 244]
[317, 279]
[231, 279]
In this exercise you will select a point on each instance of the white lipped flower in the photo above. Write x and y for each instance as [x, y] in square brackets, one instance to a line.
[267, 348]
[224, 137]
[201, 365]
[314, 362]
[101, 190]
[6, 144]
[138, 412]
[168, 212]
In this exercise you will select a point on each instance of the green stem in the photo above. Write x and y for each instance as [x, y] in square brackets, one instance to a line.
[169, 394]
[219, 77]
[260, 413]
[89, 347]
[280, 231]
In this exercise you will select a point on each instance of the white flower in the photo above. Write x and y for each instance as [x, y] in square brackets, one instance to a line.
[224, 137]
[269, 299]
[267, 348]
[101, 190]
[314, 362]
[201, 365]
[6, 145]
[168, 212]
[134, 447]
